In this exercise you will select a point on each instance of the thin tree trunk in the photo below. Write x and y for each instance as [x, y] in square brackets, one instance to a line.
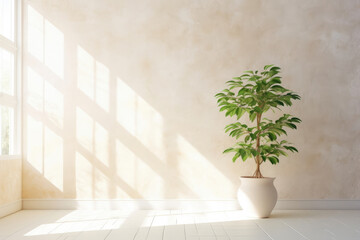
[257, 173]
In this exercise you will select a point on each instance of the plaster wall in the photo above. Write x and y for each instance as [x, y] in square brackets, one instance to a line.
[118, 96]
[10, 181]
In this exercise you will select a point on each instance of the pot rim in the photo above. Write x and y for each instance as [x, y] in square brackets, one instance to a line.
[263, 178]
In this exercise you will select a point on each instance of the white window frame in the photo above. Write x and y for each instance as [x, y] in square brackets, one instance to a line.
[15, 101]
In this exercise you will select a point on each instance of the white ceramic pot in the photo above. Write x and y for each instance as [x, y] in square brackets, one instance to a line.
[257, 196]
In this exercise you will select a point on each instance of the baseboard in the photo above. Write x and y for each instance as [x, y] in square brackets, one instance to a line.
[318, 205]
[10, 208]
[206, 205]
[136, 204]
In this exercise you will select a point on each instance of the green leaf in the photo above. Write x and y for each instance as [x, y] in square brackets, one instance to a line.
[254, 152]
[291, 125]
[273, 160]
[287, 101]
[295, 119]
[242, 91]
[291, 148]
[243, 154]
[281, 130]
[295, 149]
[240, 112]
[283, 153]
[272, 136]
[266, 108]
[274, 69]
[278, 88]
[268, 66]
[228, 150]
[236, 156]
[275, 80]
[279, 102]
[252, 116]
[257, 109]
[219, 95]
[224, 108]
[295, 96]
[253, 136]
[231, 111]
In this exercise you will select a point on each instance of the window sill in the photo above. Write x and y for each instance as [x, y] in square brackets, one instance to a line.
[10, 157]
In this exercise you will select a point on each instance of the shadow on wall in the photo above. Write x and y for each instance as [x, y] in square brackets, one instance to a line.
[89, 135]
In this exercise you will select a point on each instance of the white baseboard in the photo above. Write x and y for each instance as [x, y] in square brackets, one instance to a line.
[10, 208]
[205, 205]
[318, 205]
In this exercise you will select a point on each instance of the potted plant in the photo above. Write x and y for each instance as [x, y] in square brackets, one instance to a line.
[255, 93]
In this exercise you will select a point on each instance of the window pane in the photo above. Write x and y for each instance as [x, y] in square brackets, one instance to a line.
[6, 72]
[7, 19]
[7, 130]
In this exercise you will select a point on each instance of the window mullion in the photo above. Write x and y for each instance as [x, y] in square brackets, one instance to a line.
[18, 34]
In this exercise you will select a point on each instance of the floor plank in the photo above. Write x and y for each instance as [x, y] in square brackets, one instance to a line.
[129, 226]
[143, 231]
[276, 229]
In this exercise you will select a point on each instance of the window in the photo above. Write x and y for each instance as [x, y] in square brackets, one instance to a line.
[9, 77]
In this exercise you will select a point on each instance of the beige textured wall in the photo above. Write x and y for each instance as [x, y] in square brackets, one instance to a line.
[10, 180]
[119, 96]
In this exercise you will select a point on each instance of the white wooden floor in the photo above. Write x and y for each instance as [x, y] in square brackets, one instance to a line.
[179, 225]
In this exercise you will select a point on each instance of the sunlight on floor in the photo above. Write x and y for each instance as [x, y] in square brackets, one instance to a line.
[179, 224]
[81, 220]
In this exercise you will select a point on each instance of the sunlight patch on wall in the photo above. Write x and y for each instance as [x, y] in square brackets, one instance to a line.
[84, 130]
[84, 177]
[93, 78]
[140, 119]
[54, 49]
[45, 151]
[34, 90]
[35, 36]
[53, 158]
[209, 183]
[126, 102]
[91, 182]
[85, 73]
[92, 136]
[54, 105]
[35, 143]
[101, 141]
[102, 85]
[45, 42]
[102, 184]
[126, 164]
[92, 169]
[136, 173]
